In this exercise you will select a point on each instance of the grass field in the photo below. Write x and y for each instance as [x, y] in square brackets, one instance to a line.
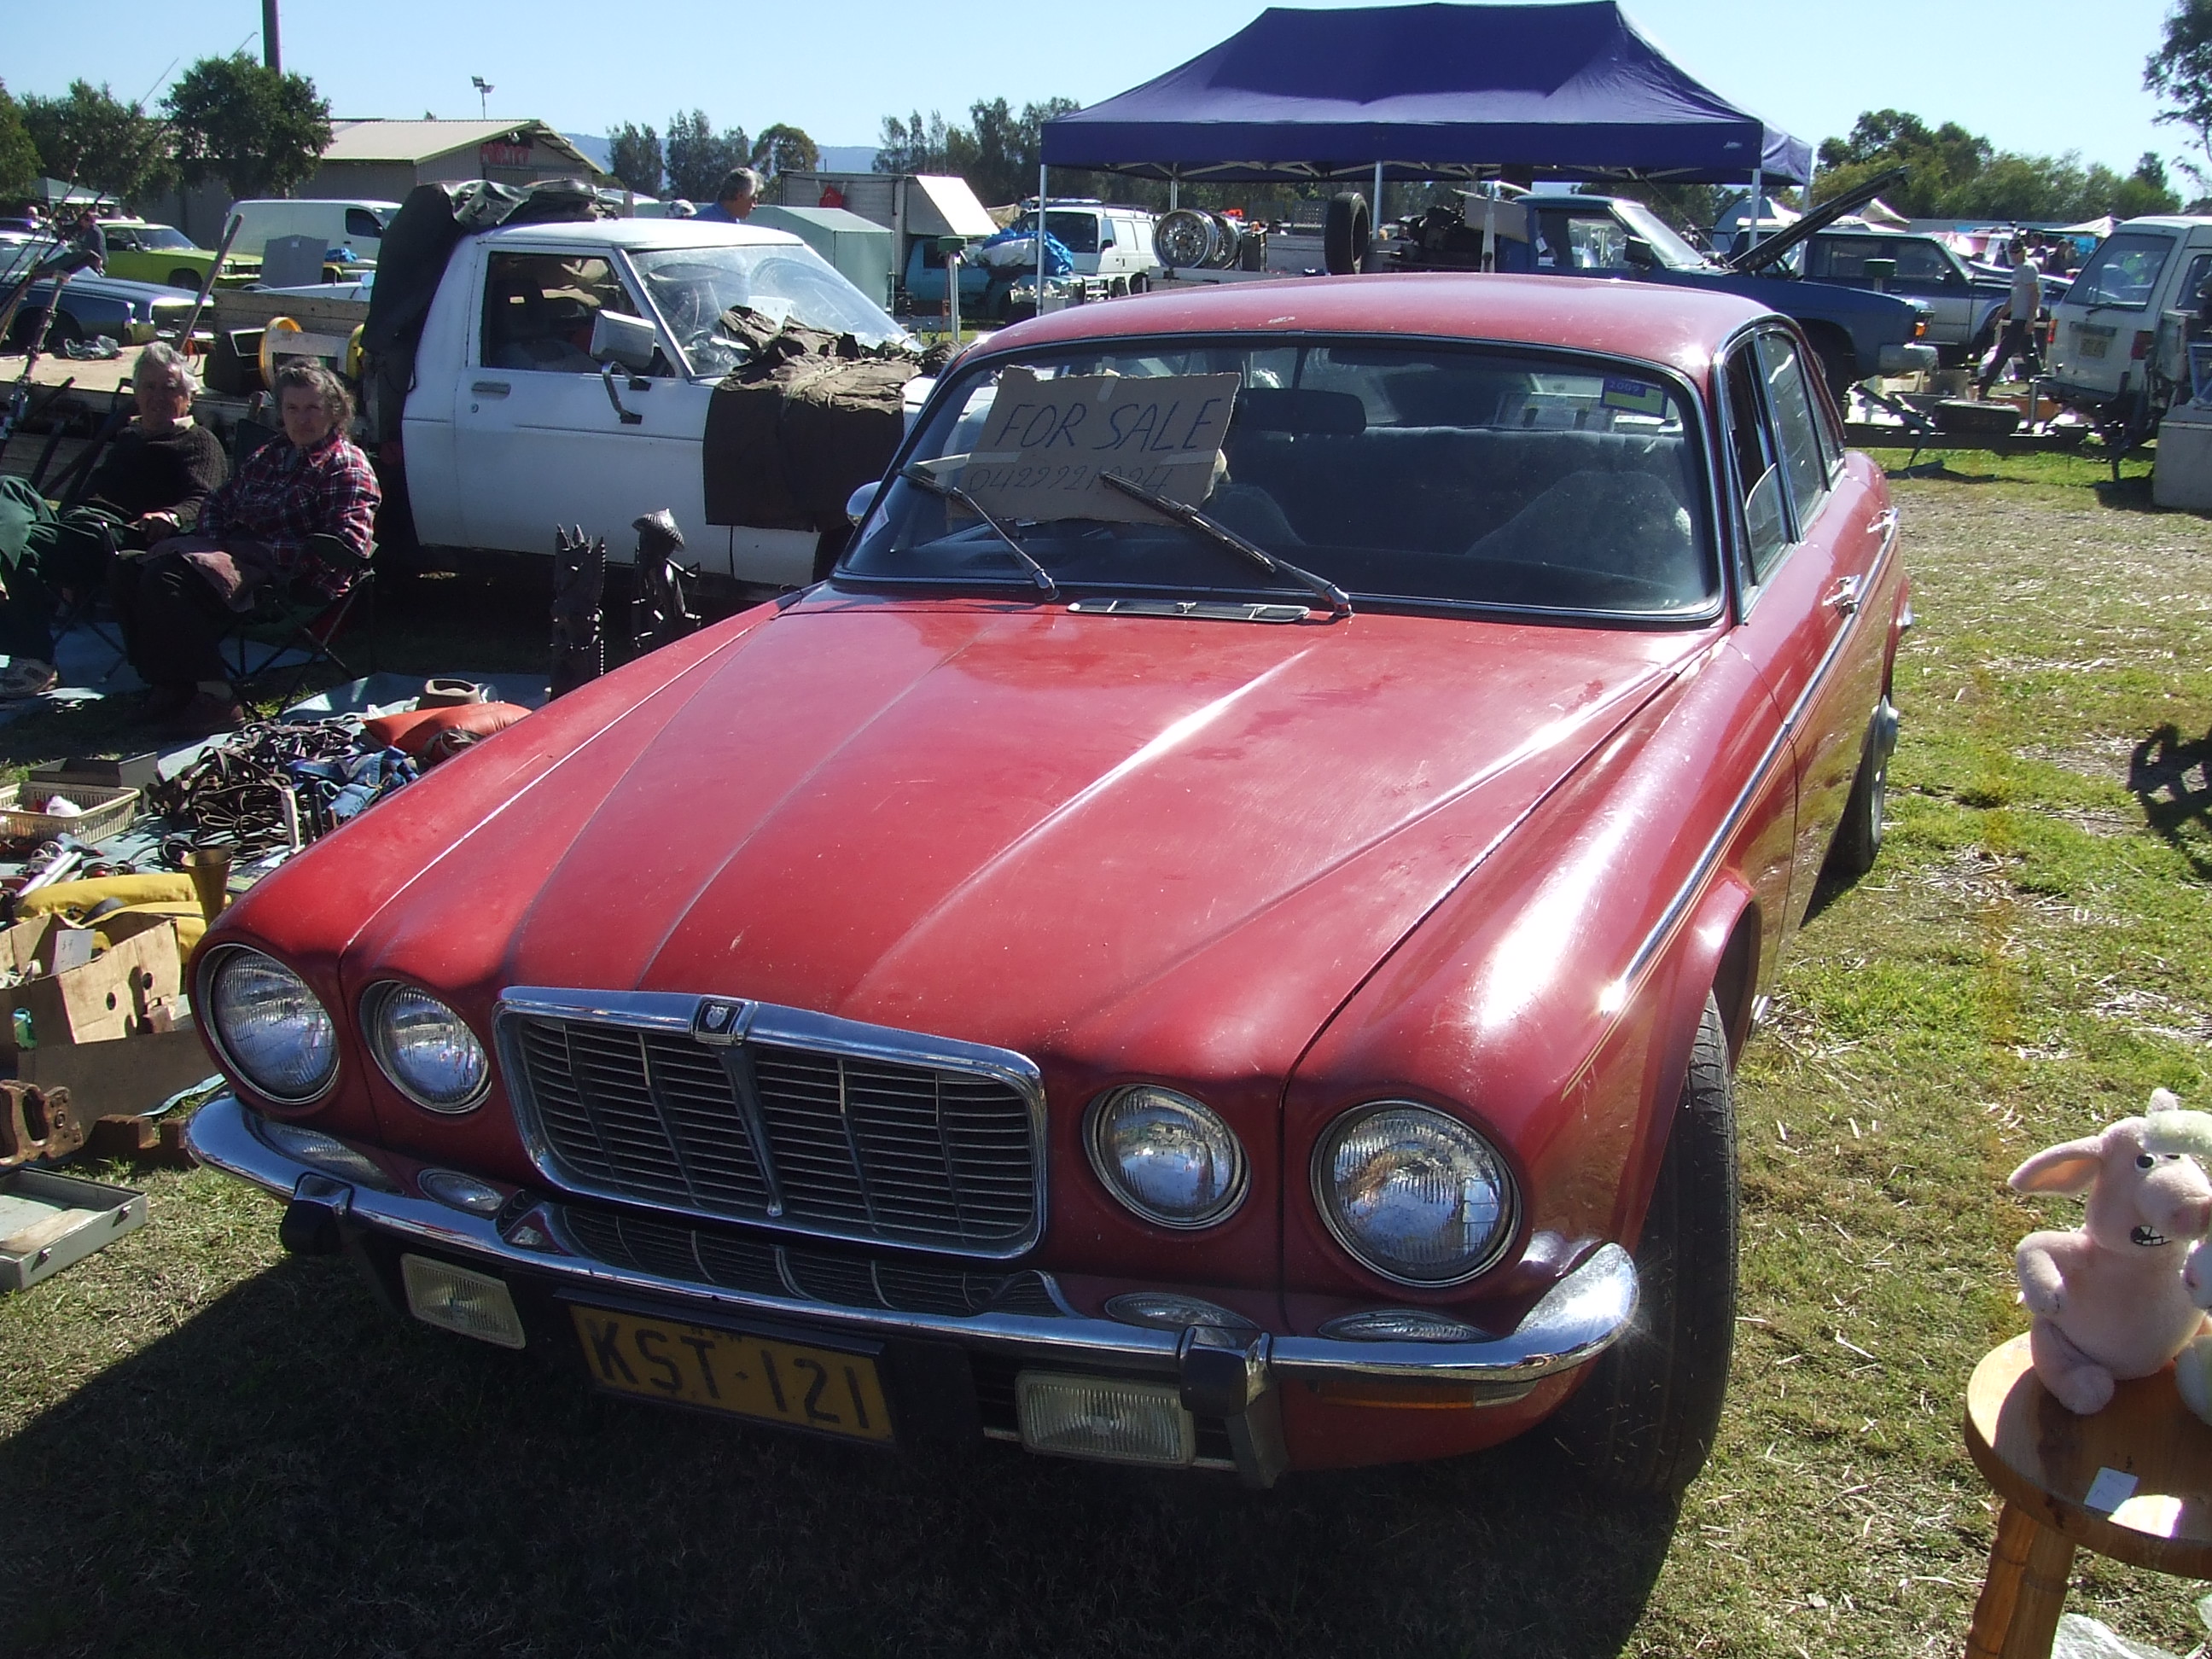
[208, 1447]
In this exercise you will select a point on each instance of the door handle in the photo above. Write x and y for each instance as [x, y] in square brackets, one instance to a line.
[1844, 595]
[630, 417]
[491, 388]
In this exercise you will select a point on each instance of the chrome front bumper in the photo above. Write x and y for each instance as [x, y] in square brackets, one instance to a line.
[1222, 1374]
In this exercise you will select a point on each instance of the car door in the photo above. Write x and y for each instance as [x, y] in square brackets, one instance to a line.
[543, 439]
[1817, 564]
[1927, 272]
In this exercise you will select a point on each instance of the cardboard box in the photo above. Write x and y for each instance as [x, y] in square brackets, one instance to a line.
[114, 994]
[119, 1079]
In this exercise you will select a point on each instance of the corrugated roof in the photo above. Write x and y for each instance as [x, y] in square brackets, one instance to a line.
[414, 142]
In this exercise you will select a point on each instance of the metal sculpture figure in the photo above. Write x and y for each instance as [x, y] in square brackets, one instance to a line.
[579, 582]
[660, 613]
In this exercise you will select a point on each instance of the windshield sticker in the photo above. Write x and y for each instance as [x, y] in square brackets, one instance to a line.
[1046, 444]
[1634, 396]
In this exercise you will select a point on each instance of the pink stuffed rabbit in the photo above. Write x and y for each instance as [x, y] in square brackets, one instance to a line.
[2110, 1300]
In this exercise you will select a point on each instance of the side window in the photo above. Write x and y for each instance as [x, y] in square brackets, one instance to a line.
[539, 309]
[1803, 465]
[1758, 476]
[360, 222]
[1597, 245]
[2185, 297]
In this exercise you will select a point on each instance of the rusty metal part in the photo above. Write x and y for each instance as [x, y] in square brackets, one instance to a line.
[36, 1122]
[159, 1142]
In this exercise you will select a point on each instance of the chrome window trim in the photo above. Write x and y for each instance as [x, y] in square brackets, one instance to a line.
[1709, 859]
[721, 1021]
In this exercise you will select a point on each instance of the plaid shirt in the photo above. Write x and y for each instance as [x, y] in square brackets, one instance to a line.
[283, 495]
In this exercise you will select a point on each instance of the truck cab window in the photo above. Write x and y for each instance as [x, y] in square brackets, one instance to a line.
[539, 309]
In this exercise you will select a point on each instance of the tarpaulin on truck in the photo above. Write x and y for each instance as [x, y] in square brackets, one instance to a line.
[807, 419]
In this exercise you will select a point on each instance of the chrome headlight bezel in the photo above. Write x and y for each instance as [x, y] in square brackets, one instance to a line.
[1106, 1167]
[1323, 1190]
[376, 1005]
[207, 999]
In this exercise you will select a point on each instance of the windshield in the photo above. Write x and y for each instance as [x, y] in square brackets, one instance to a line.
[1406, 472]
[784, 282]
[163, 237]
[2122, 273]
[1673, 252]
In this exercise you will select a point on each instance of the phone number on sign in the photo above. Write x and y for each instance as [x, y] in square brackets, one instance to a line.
[1071, 476]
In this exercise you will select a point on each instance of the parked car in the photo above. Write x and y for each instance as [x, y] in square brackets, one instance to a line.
[143, 252]
[1108, 241]
[1253, 986]
[2120, 329]
[357, 225]
[1854, 335]
[130, 314]
[923, 282]
[1962, 300]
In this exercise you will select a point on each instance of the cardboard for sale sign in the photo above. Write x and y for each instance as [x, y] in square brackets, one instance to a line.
[1047, 443]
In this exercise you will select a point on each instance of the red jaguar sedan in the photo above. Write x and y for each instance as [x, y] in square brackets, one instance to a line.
[1219, 936]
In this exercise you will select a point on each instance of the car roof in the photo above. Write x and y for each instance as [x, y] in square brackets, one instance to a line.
[642, 233]
[1656, 322]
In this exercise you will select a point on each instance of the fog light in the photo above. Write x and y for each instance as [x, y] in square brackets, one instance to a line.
[1104, 1417]
[454, 1299]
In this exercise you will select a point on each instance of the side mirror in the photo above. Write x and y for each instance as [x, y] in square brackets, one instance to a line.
[858, 503]
[1640, 254]
[629, 341]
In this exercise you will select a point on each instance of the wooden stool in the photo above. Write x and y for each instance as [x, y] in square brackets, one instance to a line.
[2149, 1460]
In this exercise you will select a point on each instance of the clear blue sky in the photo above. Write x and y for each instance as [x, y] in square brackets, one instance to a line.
[2040, 75]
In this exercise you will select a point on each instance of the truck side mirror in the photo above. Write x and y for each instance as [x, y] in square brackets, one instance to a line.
[1640, 254]
[630, 341]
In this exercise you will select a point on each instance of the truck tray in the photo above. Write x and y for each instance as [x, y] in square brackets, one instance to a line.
[49, 1222]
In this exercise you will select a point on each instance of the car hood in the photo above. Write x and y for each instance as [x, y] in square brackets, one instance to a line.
[1013, 825]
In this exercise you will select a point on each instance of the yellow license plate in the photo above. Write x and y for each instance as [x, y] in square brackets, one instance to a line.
[2093, 345]
[815, 1389]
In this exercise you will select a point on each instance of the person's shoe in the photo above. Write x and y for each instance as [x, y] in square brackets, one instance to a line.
[164, 701]
[26, 677]
[203, 717]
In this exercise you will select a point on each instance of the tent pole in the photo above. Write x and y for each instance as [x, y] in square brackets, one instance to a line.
[1041, 170]
[1375, 219]
[1175, 189]
[1758, 205]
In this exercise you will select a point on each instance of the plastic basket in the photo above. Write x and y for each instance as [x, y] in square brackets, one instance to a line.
[107, 812]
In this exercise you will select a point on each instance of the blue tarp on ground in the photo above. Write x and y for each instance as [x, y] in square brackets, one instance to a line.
[1435, 91]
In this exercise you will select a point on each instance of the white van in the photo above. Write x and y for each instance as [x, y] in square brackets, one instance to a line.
[358, 225]
[2121, 328]
[1104, 240]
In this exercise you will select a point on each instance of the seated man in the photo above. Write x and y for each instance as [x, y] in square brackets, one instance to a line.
[148, 486]
[178, 601]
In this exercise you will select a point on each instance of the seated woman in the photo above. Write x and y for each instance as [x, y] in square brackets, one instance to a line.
[178, 601]
[148, 486]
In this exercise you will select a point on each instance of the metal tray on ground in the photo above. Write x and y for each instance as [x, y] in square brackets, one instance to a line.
[49, 1222]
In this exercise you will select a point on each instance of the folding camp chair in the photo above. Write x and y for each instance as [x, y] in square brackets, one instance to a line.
[277, 624]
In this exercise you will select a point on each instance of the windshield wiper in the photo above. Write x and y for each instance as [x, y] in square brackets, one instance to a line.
[1339, 602]
[915, 475]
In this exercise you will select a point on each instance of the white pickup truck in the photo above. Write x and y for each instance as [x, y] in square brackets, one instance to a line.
[563, 375]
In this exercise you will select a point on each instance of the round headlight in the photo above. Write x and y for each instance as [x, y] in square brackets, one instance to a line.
[1165, 1156]
[1415, 1195]
[271, 1028]
[425, 1048]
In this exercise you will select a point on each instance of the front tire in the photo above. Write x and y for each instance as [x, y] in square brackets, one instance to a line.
[1345, 231]
[1644, 1421]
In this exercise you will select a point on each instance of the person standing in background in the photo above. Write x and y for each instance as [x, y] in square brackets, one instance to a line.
[735, 200]
[2021, 308]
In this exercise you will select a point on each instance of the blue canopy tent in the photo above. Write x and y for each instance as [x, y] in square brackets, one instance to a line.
[1566, 92]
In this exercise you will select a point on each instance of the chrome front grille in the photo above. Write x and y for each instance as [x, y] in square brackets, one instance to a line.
[746, 1112]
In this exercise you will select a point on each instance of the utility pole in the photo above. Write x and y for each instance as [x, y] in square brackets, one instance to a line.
[484, 90]
[272, 54]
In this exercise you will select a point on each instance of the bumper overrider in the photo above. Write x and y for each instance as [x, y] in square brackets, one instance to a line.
[548, 1251]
